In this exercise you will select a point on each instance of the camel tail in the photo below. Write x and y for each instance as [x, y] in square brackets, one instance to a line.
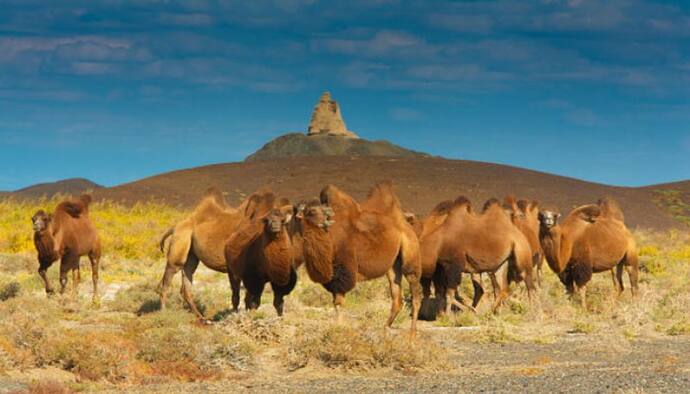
[168, 233]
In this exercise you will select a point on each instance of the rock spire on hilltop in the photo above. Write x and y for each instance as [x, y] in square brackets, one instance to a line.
[327, 120]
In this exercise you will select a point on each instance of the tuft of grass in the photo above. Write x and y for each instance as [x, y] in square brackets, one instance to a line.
[9, 290]
[582, 327]
[359, 348]
[679, 328]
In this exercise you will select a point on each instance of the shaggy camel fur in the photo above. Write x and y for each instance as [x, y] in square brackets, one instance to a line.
[364, 242]
[477, 243]
[592, 238]
[66, 235]
[202, 237]
[261, 251]
[525, 216]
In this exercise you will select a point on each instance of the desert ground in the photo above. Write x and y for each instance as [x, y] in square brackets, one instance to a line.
[126, 344]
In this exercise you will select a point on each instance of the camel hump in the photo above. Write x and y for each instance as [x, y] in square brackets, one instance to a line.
[510, 202]
[72, 208]
[490, 203]
[214, 194]
[609, 208]
[463, 202]
[588, 213]
[337, 199]
[259, 203]
[86, 200]
[382, 197]
[442, 208]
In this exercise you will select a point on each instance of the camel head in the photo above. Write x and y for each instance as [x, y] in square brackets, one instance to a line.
[277, 219]
[41, 220]
[318, 215]
[548, 219]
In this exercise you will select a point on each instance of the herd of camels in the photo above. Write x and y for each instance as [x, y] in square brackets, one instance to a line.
[341, 241]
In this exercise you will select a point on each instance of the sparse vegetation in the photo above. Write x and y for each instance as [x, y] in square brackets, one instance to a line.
[673, 202]
[128, 341]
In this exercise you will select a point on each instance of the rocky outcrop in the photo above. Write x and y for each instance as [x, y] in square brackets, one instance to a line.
[297, 144]
[327, 120]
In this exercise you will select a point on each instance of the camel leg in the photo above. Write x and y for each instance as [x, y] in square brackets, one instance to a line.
[42, 272]
[75, 283]
[618, 281]
[494, 284]
[632, 275]
[170, 271]
[280, 291]
[478, 289]
[394, 280]
[538, 261]
[503, 286]
[67, 264]
[178, 251]
[235, 286]
[415, 289]
[583, 296]
[187, 279]
[94, 258]
[338, 300]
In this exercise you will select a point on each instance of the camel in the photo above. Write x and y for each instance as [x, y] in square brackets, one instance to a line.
[525, 216]
[432, 272]
[202, 237]
[261, 251]
[592, 238]
[66, 235]
[476, 243]
[363, 242]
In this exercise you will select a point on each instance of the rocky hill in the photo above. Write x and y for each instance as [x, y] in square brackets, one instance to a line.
[296, 144]
[66, 186]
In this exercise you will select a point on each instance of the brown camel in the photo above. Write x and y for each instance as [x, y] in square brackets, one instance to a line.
[432, 272]
[364, 242]
[592, 238]
[525, 216]
[202, 237]
[476, 243]
[66, 235]
[261, 251]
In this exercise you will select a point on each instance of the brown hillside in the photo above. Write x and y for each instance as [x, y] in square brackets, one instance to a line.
[421, 183]
[65, 186]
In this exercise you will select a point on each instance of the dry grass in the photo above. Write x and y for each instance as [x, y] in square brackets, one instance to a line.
[128, 341]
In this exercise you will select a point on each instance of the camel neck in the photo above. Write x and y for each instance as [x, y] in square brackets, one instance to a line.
[557, 250]
[318, 253]
[45, 245]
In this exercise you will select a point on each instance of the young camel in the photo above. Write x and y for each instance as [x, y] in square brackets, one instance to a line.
[261, 251]
[364, 242]
[592, 238]
[66, 235]
[477, 243]
[202, 237]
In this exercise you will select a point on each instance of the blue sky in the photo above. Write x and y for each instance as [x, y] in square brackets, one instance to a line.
[116, 90]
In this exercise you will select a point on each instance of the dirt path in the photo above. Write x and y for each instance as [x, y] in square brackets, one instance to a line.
[577, 364]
